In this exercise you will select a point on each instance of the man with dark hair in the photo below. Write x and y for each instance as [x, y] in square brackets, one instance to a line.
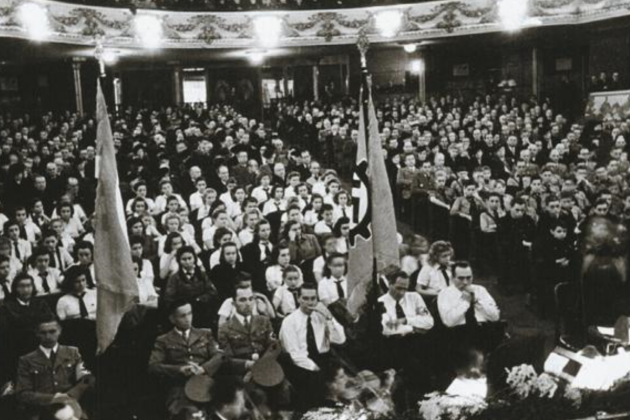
[50, 373]
[244, 335]
[184, 352]
[464, 303]
[306, 335]
[516, 233]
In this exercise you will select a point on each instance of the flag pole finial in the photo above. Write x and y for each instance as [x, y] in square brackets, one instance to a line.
[363, 44]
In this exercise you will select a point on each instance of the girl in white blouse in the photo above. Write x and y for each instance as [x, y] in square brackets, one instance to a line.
[274, 274]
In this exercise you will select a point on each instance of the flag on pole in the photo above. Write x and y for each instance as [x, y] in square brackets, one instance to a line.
[117, 286]
[373, 239]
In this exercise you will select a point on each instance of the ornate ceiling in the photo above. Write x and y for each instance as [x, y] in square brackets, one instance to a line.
[114, 27]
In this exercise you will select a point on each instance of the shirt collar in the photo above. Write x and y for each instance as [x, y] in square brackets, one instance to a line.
[47, 351]
[22, 303]
[241, 318]
[183, 333]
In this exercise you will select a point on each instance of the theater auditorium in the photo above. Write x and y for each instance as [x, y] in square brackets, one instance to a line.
[314, 209]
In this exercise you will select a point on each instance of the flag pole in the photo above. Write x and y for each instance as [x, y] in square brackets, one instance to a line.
[363, 44]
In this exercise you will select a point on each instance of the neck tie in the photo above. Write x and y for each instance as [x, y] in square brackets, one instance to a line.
[267, 252]
[311, 344]
[45, 284]
[53, 357]
[400, 314]
[16, 250]
[445, 275]
[343, 211]
[82, 307]
[294, 293]
[340, 291]
[59, 260]
[53, 260]
[89, 279]
[246, 323]
[471, 319]
[5, 290]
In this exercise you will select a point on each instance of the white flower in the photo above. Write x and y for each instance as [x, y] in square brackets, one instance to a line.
[521, 380]
[438, 406]
[574, 395]
[546, 385]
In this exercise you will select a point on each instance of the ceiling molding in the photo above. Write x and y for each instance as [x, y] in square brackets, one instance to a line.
[113, 27]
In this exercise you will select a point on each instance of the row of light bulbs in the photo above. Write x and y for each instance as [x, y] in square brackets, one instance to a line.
[148, 27]
[513, 15]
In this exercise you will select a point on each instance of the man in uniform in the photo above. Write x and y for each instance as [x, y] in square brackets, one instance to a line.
[182, 353]
[50, 374]
[245, 336]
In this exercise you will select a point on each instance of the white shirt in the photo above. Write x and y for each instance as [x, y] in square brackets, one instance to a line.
[283, 300]
[263, 251]
[15, 267]
[196, 200]
[147, 271]
[62, 258]
[54, 280]
[68, 306]
[246, 236]
[327, 289]
[416, 313]
[409, 264]
[147, 294]
[318, 267]
[293, 336]
[47, 352]
[73, 228]
[321, 228]
[274, 277]
[342, 246]
[24, 248]
[260, 194]
[432, 278]
[338, 213]
[311, 217]
[33, 232]
[272, 206]
[453, 306]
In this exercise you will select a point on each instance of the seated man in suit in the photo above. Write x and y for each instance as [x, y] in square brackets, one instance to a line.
[469, 308]
[405, 322]
[51, 373]
[184, 352]
[306, 335]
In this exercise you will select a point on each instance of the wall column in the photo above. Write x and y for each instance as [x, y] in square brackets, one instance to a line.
[78, 90]
[178, 93]
[422, 79]
[315, 82]
[536, 72]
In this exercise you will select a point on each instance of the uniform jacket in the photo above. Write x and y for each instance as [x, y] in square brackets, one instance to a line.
[38, 381]
[240, 342]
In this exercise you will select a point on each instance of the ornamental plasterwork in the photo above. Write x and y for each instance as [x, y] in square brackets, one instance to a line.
[114, 26]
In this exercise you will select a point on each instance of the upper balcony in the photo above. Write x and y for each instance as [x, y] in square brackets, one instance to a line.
[283, 23]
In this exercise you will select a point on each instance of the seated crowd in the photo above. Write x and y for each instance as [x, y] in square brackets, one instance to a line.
[240, 241]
